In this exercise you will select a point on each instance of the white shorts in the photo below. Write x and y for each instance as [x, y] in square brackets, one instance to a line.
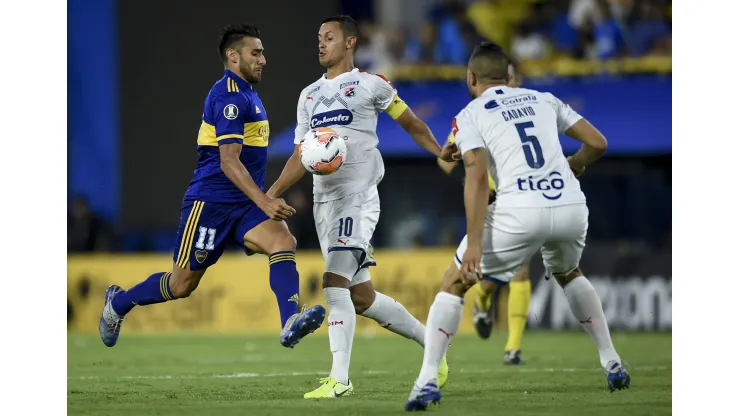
[511, 236]
[348, 224]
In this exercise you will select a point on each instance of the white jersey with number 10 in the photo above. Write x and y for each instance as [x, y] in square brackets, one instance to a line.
[519, 129]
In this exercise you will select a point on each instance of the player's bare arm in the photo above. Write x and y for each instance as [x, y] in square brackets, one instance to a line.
[594, 145]
[234, 169]
[476, 203]
[447, 167]
[420, 133]
[292, 172]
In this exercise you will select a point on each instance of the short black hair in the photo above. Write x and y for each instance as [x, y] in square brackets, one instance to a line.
[490, 62]
[232, 34]
[346, 23]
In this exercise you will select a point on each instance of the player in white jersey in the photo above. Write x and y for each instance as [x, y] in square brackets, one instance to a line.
[346, 203]
[512, 133]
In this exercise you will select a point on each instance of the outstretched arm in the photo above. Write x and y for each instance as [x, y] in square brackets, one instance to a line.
[419, 132]
[234, 169]
[292, 172]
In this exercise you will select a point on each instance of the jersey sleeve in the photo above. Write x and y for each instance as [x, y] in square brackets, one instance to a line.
[466, 133]
[302, 124]
[230, 112]
[566, 116]
[384, 95]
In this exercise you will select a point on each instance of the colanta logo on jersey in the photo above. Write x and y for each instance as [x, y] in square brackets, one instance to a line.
[551, 186]
[341, 117]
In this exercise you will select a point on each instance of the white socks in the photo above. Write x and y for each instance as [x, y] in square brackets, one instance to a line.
[341, 323]
[443, 322]
[392, 316]
[586, 306]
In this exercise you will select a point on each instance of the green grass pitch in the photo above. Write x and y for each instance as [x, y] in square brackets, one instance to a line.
[245, 375]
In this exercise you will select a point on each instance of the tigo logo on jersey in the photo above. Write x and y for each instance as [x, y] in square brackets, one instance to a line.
[340, 117]
[550, 187]
[231, 112]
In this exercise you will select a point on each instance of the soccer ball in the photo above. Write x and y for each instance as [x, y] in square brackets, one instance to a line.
[322, 151]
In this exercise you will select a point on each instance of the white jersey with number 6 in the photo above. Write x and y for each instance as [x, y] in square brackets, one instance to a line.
[519, 129]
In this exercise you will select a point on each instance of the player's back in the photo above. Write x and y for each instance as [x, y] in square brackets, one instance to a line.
[519, 128]
[232, 113]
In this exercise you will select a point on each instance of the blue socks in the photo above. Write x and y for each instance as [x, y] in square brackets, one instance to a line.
[285, 283]
[155, 289]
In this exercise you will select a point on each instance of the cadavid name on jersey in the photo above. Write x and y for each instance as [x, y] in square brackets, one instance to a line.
[519, 128]
[350, 104]
[232, 113]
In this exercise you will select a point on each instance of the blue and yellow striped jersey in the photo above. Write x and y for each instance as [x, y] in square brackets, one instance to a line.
[233, 113]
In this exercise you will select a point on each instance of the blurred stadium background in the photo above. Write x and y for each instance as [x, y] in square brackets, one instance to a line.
[138, 72]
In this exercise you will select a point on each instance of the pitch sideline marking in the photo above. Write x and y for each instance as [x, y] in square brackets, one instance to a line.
[368, 372]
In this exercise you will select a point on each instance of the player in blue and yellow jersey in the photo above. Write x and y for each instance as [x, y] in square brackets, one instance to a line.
[520, 288]
[225, 202]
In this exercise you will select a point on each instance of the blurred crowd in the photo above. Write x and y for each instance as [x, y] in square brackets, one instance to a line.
[527, 29]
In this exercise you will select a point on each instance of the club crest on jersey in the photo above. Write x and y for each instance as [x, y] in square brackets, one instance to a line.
[201, 255]
[340, 117]
[349, 92]
[231, 112]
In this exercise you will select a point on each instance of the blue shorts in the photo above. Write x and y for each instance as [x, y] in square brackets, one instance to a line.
[207, 227]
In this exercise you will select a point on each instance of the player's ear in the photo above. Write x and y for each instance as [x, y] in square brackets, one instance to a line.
[351, 42]
[232, 55]
[472, 79]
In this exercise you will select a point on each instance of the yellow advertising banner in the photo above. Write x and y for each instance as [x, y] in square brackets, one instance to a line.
[235, 297]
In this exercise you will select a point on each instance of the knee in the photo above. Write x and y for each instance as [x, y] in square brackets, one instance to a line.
[183, 287]
[363, 301]
[452, 283]
[564, 279]
[335, 280]
[284, 242]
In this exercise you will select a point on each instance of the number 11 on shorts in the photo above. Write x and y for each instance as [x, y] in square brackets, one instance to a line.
[202, 231]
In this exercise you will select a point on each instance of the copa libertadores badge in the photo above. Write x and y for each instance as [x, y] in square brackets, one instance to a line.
[231, 112]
